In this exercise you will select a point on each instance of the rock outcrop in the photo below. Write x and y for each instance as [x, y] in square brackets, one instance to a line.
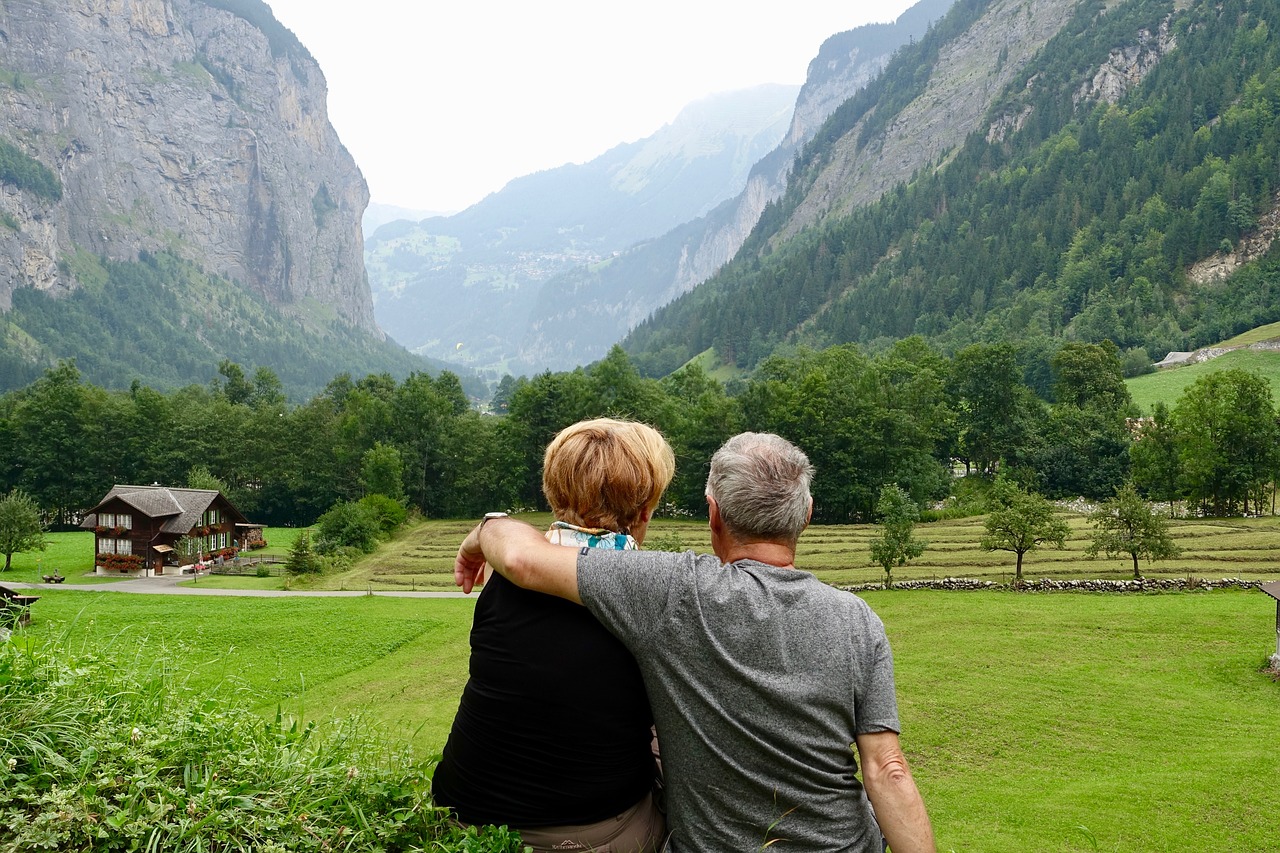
[195, 127]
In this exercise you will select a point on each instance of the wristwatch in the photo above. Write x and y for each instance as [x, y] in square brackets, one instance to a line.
[491, 515]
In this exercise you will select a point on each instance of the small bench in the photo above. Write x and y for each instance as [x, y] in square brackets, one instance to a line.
[15, 608]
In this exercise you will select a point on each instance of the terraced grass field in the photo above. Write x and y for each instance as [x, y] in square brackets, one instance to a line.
[840, 554]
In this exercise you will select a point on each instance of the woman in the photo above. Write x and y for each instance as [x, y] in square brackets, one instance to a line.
[553, 734]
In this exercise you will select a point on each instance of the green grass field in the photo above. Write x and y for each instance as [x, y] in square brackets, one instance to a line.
[422, 558]
[1032, 721]
[1168, 385]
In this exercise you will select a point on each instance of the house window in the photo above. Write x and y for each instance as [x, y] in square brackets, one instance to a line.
[124, 546]
[106, 546]
[113, 519]
[211, 517]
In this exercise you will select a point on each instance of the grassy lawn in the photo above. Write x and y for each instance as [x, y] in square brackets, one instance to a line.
[295, 652]
[1033, 722]
[1168, 385]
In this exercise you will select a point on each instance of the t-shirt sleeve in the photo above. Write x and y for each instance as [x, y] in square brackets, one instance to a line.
[629, 591]
[875, 702]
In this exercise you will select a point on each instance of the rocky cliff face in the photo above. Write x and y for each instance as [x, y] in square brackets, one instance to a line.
[178, 125]
[971, 72]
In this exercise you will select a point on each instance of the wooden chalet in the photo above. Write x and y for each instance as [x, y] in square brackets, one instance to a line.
[136, 527]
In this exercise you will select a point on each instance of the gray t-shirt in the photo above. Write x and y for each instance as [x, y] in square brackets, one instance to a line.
[759, 678]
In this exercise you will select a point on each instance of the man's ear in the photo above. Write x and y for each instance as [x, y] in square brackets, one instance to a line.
[713, 513]
[808, 516]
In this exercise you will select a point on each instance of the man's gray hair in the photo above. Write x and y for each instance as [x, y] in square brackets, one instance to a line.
[760, 481]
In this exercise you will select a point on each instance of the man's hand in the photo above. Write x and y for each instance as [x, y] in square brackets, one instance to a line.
[468, 567]
[520, 554]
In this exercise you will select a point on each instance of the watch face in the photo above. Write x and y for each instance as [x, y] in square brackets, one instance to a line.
[495, 515]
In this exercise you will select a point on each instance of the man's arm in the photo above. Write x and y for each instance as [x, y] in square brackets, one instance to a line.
[520, 554]
[899, 807]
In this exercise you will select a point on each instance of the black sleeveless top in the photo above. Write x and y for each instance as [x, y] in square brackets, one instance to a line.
[553, 727]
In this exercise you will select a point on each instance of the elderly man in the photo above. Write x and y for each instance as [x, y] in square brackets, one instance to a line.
[762, 678]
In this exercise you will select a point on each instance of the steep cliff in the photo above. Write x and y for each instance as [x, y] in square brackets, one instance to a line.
[194, 128]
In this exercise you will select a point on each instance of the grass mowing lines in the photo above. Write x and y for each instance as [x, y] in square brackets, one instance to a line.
[275, 648]
[1144, 718]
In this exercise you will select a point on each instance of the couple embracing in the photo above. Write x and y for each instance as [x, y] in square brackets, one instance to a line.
[767, 686]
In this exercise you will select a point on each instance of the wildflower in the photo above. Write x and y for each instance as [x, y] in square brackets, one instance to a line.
[13, 763]
[136, 735]
[353, 773]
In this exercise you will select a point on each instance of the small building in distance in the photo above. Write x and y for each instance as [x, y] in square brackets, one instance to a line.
[136, 527]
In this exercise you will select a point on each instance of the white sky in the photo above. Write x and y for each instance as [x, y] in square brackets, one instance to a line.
[443, 101]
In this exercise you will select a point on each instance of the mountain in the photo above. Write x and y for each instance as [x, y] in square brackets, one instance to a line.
[1035, 172]
[488, 262]
[376, 215]
[172, 193]
[609, 299]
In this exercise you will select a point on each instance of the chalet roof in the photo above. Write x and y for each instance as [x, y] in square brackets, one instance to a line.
[1272, 589]
[180, 508]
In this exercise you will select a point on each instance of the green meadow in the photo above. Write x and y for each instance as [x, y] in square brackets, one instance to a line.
[422, 558]
[1069, 721]
[1167, 385]
[1032, 721]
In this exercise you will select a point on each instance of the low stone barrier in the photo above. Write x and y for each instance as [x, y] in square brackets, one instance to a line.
[1085, 585]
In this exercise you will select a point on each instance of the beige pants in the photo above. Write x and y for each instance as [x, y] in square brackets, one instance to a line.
[640, 829]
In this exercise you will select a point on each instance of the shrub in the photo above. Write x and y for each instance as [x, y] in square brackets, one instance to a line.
[391, 514]
[350, 523]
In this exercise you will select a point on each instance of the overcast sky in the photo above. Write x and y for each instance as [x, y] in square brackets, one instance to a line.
[443, 101]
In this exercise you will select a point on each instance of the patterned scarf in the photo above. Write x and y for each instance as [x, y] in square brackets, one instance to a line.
[564, 533]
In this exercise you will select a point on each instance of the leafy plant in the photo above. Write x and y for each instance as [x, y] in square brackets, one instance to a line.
[895, 545]
[115, 754]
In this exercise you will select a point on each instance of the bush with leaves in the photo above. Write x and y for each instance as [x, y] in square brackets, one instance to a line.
[350, 524]
[391, 514]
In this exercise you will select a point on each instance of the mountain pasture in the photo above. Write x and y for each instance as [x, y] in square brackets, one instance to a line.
[422, 558]
[1166, 386]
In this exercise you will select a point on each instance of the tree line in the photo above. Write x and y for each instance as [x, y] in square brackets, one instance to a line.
[908, 417]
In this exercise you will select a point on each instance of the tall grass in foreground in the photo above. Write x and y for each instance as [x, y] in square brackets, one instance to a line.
[104, 754]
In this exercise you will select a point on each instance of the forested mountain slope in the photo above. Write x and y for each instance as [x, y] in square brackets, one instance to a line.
[172, 193]
[610, 298]
[1140, 142]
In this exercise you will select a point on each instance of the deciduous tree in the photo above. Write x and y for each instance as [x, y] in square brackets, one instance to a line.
[21, 528]
[1126, 524]
[1020, 522]
[896, 543]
